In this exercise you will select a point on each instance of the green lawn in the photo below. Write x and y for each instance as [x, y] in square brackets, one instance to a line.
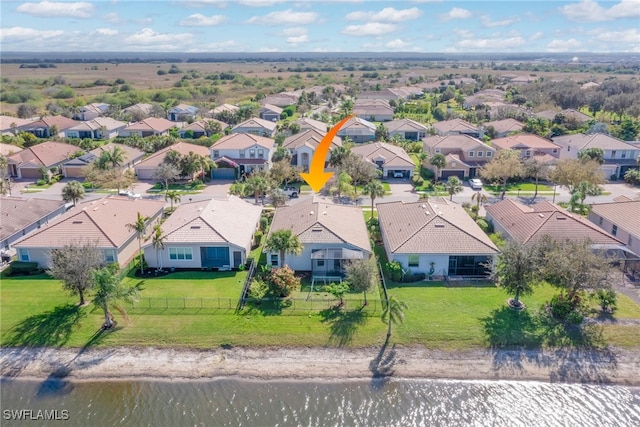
[520, 186]
[183, 188]
[37, 312]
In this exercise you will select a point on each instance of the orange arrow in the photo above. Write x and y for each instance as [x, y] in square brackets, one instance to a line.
[317, 177]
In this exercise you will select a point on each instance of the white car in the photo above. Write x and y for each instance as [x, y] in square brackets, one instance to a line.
[475, 183]
[398, 174]
[129, 193]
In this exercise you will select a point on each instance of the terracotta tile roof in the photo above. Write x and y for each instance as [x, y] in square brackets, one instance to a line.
[230, 220]
[7, 121]
[392, 154]
[529, 223]
[8, 149]
[255, 122]
[181, 147]
[97, 123]
[130, 153]
[454, 142]
[102, 221]
[404, 125]
[199, 125]
[597, 140]
[307, 123]
[506, 125]
[272, 108]
[17, 213]
[323, 222]
[524, 140]
[455, 125]
[225, 107]
[157, 124]
[309, 137]
[625, 214]
[60, 122]
[356, 123]
[430, 227]
[44, 154]
[241, 141]
[141, 107]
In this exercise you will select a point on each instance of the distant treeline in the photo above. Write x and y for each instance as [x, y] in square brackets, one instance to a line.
[40, 65]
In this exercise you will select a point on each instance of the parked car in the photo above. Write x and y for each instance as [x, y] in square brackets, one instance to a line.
[398, 174]
[475, 183]
[292, 192]
[129, 193]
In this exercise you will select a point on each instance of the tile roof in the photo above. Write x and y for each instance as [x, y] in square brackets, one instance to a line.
[255, 122]
[199, 125]
[392, 154]
[309, 137]
[315, 221]
[455, 125]
[506, 125]
[241, 141]
[597, 140]
[529, 223]
[307, 123]
[44, 154]
[18, 213]
[625, 214]
[140, 107]
[8, 149]
[430, 227]
[183, 109]
[130, 153]
[158, 124]
[272, 108]
[454, 142]
[60, 122]
[102, 221]
[524, 140]
[225, 107]
[99, 122]
[356, 123]
[404, 125]
[230, 220]
[7, 121]
[181, 147]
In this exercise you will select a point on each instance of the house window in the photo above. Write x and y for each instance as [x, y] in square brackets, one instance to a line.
[554, 151]
[216, 154]
[489, 154]
[414, 260]
[614, 230]
[471, 153]
[437, 150]
[480, 154]
[320, 263]
[261, 153]
[252, 153]
[110, 255]
[623, 154]
[180, 254]
[527, 153]
[613, 154]
[23, 254]
[274, 260]
[241, 153]
[600, 221]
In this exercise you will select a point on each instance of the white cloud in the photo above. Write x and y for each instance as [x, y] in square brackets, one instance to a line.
[22, 33]
[494, 44]
[199, 20]
[457, 13]
[260, 3]
[536, 36]
[203, 3]
[105, 31]
[298, 39]
[397, 44]
[144, 21]
[284, 17]
[112, 18]
[625, 36]
[268, 49]
[570, 45]
[293, 31]
[369, 29]
[57, 9]
[590, 11]
[147, 36]
[388, 14]
[487, 22]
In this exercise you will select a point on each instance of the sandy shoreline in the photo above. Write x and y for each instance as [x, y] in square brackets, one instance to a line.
[330, 364]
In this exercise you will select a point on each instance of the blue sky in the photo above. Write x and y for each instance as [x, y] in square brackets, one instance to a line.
[321, 26]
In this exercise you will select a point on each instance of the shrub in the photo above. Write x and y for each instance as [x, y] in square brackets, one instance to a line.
[258, 289]
[607, 299]
[258, 237]
[283, 281]
[485, 225]
[417, 181]
[574, 317]
[394, 270]
[562, 306]
[426, 173]
[410, 278]
[41, 182]
[23, 268]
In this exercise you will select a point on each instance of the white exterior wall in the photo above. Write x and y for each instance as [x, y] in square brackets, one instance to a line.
[152, 258]
[302, 262]
[441, 263]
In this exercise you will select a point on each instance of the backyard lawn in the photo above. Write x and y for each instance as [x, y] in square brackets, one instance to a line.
[522, 187]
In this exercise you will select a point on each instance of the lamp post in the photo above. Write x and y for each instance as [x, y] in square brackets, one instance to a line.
[554, 192]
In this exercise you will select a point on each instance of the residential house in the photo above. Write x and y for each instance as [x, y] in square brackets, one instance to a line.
[484, 97]
[389, 158]
[308, 124]
[280, 100]
[27, 163]
[465, 155]
[137, 112]
[215, 233]
[223, 108]
[198, 129]
[528, 145]
[358, 130]
[457, 127]
[146, 168]
[621, 219]
[23, 216]
[76, 168]
[48, 127]
[396, 93]
[239, 154]
[102, 222]
[270, 113]
[377, 110]
[569, 114]
[619, 156]
[10, 125]
[152, 126]
[302, 145]
[528, 224]
[332, 235]
[8, 149]
[435, 237]
[182, 113]
[406, 129]
[97, 128]
[256, 126]
[503, 128]
[91, 111]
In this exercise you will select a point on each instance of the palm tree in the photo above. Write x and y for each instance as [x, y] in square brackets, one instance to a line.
[374, 189]
[157, 241]
[257, 184]
[438, 161]
[480, 199]
[337, 155]
[393, 313]
[116, 157]
[72, 192]
[172, 196]
[110, 291]
[454, 186]
[284, 241]
[140, 227]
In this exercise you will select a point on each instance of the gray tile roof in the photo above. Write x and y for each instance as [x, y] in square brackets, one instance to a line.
[392, 154]
[17, 213]
[625, 214]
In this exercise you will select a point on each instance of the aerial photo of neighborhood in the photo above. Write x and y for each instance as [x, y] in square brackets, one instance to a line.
[336, 213]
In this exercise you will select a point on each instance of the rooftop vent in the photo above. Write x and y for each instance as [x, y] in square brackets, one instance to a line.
[562, 218]
[541, 215]
[77, 222]
[316, 229]
[439, 225]
[195, 227]
[311, 213]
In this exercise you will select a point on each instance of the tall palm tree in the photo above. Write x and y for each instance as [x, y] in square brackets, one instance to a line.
[140, 227]
[439, 161]
[284, 241]
[257, 184]
[157, 241]
[116, 157]
[172, 196]
[72, 192]
[454, 186]
[109, 291]
[393, 313]
[480, 199]
[374, 189]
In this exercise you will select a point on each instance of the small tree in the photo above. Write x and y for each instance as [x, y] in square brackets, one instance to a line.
[362, 275]
[480, 199]
[140, 227]
[172, 196]
[74, 264]
[438, 161]
[517, 270]
[257, 185]
[284, 242]
[374, 189]
[283, 281]
[72, 192]
[110, 291]
[504, 166]
[337, 290]
[536, 169]
[569, 173]
[393, 313]
[454, 186]
[157, 241]
[166, 173]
